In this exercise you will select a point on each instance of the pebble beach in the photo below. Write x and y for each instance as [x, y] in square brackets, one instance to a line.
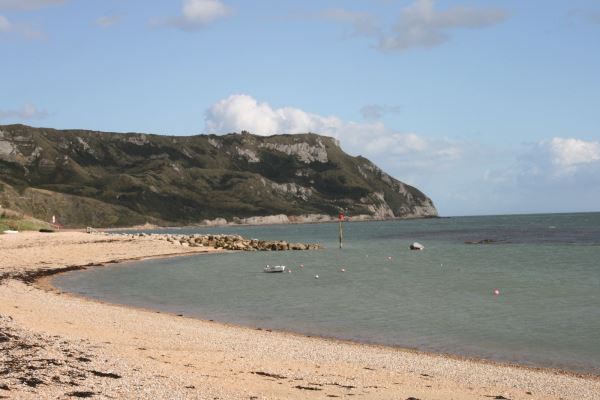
[57, 345]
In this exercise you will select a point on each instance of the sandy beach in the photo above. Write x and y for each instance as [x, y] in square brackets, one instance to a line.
[56, 345]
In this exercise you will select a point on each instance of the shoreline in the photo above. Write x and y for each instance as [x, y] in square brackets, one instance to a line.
[45, 283]
[331, 220]
[160, 355]
[153, 227]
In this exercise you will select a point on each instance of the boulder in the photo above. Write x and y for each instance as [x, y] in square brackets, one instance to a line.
[417, 246]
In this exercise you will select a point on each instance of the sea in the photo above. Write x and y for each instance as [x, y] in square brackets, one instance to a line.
[528, 291]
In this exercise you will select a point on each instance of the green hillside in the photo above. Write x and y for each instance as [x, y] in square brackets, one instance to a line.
[121, 179]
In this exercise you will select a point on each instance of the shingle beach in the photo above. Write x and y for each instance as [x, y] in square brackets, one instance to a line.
[55, 345]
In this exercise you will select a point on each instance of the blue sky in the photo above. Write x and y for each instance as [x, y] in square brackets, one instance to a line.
[487, 106]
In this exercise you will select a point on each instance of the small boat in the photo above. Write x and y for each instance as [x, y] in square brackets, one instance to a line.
[274, 268]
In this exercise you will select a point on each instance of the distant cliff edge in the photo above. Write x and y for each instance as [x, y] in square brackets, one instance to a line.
[101, 179]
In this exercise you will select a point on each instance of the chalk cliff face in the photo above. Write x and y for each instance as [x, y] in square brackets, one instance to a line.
[114, 179]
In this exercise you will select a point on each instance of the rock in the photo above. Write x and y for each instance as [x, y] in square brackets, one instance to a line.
[282, 245]
[483, 241]
[231, 242]
[417, 246]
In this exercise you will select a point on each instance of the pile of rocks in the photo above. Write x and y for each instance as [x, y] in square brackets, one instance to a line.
[231, 242]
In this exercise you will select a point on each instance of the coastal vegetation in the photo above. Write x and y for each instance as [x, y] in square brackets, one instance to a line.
[100, 179]
[12, 220]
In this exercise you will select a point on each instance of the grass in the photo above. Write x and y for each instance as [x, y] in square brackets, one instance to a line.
[12, 220]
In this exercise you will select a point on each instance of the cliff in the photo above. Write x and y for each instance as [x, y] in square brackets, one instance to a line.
[121, 179]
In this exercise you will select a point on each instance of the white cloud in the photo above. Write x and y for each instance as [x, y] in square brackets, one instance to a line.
[196, 14]
[27, 5]
[27, 112]
[421, 25]
[242, 112]
[554, 175]
[554, 161]
[202, 12]
[396, 144]
[573, 152]
[108, 20]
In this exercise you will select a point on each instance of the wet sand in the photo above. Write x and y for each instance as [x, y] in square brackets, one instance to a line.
[55, 345]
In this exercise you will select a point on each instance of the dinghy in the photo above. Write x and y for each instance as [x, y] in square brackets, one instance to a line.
[274, 268]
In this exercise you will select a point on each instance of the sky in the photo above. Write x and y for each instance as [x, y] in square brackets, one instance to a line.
[489, 107]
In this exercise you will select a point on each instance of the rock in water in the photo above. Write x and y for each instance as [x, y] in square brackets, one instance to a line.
[417, 246]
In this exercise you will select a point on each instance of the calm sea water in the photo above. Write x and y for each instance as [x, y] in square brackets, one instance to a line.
[546, 267]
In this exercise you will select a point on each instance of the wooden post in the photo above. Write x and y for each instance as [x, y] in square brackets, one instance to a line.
[341, 231]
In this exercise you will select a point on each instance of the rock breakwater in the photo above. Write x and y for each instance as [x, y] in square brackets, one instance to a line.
[227, 242]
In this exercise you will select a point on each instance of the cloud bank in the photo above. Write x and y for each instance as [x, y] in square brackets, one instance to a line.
[373, 139]
[420, 24]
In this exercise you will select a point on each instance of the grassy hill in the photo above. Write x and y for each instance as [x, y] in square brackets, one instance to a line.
[120, 179]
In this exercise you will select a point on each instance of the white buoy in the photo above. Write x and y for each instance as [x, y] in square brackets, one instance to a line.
[316, 276]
